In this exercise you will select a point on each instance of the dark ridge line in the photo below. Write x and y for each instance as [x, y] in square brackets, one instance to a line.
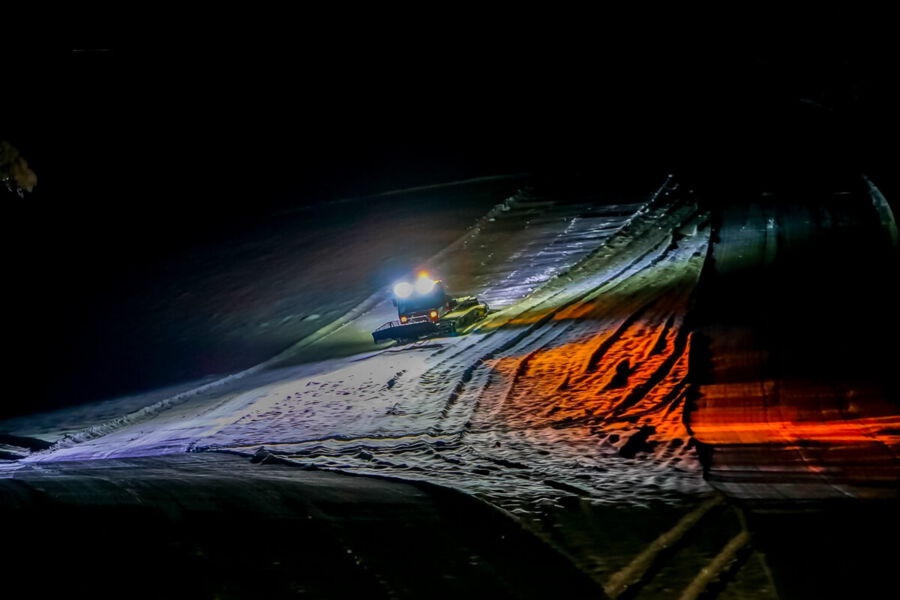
[660, 343]
[328, 438]
[666, 403]
[521, 367]
[355, 449]
[658, 375]
[565, 487]
[604, 346]
[680, 398]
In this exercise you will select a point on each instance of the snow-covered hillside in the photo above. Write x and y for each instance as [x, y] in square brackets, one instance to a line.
[573, 384]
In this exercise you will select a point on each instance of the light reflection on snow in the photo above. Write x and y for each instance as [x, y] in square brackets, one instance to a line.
[503, 412]
[533, 417]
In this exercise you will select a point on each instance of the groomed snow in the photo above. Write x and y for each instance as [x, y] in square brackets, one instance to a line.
[524, 409]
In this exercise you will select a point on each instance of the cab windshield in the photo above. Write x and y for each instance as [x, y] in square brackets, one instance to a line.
[422, 302]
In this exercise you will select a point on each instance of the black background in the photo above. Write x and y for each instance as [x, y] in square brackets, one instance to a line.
[147, 148]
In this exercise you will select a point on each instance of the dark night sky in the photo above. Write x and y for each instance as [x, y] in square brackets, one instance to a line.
[338, 108]
[145, 144]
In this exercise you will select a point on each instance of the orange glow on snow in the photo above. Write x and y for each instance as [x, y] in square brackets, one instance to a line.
[570, 385]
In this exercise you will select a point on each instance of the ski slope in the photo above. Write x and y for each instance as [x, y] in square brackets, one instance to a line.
[535, 399]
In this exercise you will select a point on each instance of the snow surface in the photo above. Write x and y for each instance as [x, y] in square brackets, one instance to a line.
[532, 406]
[227, 305]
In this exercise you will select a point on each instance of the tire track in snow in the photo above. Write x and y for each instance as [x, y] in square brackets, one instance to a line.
[551, 313]
[649, 259]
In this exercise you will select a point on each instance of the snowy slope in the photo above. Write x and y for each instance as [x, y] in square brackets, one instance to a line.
[230, 303]
[531, 402]
[536, 399]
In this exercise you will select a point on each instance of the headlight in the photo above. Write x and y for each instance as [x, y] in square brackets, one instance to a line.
[424, 285]
[403, 289]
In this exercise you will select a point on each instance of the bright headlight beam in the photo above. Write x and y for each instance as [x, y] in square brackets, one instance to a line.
[403, 289]
[424, 285]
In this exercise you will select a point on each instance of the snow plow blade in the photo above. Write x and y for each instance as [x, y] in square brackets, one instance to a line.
[394, 330]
